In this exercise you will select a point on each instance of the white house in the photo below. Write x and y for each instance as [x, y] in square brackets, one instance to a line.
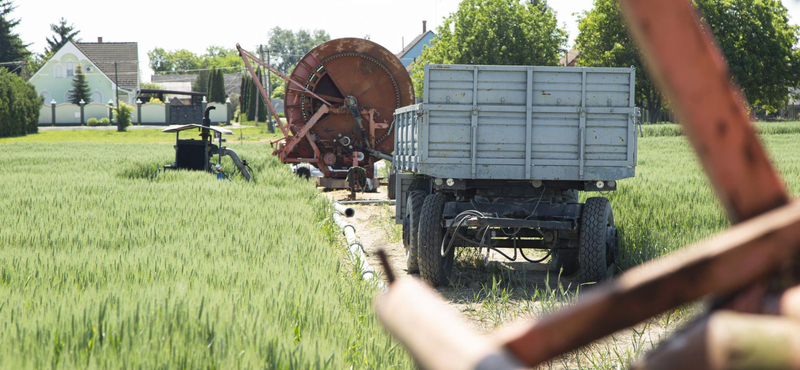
[54, 80]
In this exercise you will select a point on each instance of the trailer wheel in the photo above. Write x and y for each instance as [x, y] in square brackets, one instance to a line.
[565, 261]
[413, 210]
[569, 196]
[597, 241]
[433, 268]
[391, 188]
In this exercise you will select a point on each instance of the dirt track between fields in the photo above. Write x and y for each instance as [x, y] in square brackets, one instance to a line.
[524, 290]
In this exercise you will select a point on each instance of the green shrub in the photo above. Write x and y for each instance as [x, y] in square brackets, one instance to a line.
[19, 106]
[123, 114]
[104, 122]
[92, 122]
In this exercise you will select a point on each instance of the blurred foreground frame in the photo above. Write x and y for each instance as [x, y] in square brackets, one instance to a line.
[748, 273]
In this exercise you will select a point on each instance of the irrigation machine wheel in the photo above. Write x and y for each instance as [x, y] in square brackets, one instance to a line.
[413, 210]
[392, 187]
[434, 269]
[597, 251]
[303, 172]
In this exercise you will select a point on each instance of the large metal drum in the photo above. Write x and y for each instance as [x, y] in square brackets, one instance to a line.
[353, 75]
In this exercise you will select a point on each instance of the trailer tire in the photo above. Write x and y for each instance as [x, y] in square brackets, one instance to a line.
[597, 223]
[392, 188]
[413, 210]
[569, 196]
[565, 261]
[433, 268]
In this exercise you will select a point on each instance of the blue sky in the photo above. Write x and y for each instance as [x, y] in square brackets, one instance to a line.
[197, 24]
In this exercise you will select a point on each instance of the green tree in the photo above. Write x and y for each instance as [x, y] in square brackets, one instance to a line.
[277, 86]
[210, 83]
[504, 32]
[63, 33]
[11, 47]
[201, 83]
[759, 44]
[287, 47]
[159, 60]
[184, 61]
[279, 92]
[754, 35]
[252, 95]
[244, 92]
[604, 42]
[80, 88]
[36, 61]
[262, 106]
[222, 58]
[151, 86]
[216, 87]
[123, 113]
[19, 106]
[174, 61]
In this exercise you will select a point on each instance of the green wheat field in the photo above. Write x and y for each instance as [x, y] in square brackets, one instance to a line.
[104, 265]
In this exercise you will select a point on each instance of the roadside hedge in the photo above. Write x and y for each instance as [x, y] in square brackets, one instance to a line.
[19, 106]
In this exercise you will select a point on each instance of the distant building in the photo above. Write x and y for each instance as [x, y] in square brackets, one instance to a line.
[570, 59]
[413, 50]
[54, 80]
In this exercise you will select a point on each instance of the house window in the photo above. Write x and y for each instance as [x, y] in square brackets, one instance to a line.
[46, 98]
[70, 69]
[97, 97]
[59, 71]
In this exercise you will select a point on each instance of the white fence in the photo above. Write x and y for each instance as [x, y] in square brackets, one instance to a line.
[68, 114]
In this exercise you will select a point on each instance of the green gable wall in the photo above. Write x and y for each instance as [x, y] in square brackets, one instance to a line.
[45, 80]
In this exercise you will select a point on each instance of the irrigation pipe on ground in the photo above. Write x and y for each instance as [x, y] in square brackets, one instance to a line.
[369, 202]
[355, 248]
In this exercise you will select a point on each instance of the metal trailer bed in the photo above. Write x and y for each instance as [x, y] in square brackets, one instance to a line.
[495, 139]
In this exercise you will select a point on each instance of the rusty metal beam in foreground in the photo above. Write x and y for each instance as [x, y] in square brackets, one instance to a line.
[433, 333]
[693, 74]
[730, 340]
[721, 265]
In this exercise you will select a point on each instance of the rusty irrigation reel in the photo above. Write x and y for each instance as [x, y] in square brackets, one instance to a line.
[749, 272]
[339, 105]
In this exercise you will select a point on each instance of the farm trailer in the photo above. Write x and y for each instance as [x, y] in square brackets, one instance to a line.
[494, 157]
